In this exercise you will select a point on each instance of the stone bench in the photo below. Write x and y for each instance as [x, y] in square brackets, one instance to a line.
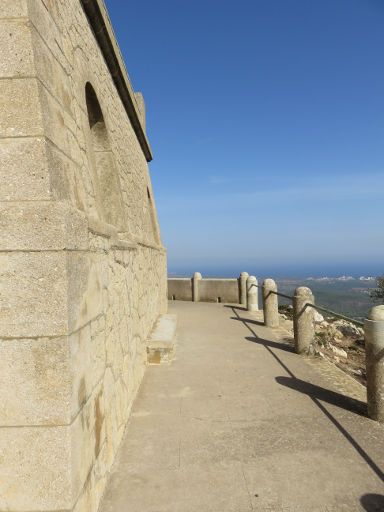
[161, 341]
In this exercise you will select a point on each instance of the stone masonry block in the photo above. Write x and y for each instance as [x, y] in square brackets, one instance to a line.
[26, 176]
[42, 20]
[88, 362]
[65, 178]
[87, 277]
[13, 8]
[33, 294]
[56, 121]
[40, 226]
[88, 436]
[50, 71]
[16, 53]
[38, 373]
[35, 464]
[20, 110]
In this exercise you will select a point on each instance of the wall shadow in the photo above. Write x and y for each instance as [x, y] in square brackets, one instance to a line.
[325, 395]
[372, 502]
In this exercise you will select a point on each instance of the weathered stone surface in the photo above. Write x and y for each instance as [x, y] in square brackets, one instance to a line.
[303, 319]
[30, 452]
[13, 8]
[252, 294]
[42, 226]
[374, 337]
[83, 272]
[50, 71]
[20, 108]
[16, 53]
[38, 373]
[270, 303]
[33, 295]
[88, 275]
[24, 175]
[88, 358]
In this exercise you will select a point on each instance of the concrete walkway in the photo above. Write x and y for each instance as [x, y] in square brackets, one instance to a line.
[239, 423]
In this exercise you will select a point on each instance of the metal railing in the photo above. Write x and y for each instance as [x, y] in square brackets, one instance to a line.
[337, 315]
[317, 307]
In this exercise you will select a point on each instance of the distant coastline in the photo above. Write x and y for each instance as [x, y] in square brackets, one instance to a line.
[346, 294]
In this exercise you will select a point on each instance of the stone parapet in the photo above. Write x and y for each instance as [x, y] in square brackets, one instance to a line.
[206, 289]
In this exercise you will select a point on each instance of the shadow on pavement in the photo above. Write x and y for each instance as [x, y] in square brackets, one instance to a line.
[271, 344]
[325, 395]
[318, 402]
[239, 308]
[249, 321]
[372, 502]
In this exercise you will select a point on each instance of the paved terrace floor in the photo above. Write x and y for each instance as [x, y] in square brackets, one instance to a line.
[239, 423]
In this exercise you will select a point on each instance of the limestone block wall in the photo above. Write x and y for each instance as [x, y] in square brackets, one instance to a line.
[82, 267]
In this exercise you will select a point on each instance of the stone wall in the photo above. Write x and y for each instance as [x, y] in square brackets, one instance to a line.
[83, 270]
[208, 289]
[180, 288]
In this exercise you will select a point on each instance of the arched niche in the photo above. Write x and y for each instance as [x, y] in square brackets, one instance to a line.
[103, 160]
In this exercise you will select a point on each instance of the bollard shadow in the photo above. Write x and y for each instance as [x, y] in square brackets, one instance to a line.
[348, 437]
[359, 449]
[239, 308]
[325, 395]
[247, 320]
[372, 502]
[271, 344]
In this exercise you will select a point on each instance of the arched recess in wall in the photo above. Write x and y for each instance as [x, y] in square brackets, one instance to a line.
[152, 222]
[103, 160]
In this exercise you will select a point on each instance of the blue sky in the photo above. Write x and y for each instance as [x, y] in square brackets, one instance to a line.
[266, 120]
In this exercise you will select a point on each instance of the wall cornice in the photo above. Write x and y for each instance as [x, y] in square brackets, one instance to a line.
[101, 26]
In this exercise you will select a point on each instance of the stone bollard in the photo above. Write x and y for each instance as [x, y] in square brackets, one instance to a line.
[252, 294]
[374, 349]
[270, 303]
[303, 319]
[243, 288]
[195, 286]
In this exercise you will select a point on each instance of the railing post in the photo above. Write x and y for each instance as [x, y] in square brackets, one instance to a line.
[374, 347]
[270, 303]
[195, 286]
[243, 288]
[303, 319]
[252, 294]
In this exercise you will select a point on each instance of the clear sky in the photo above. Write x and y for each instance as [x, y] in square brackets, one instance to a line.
[266, 120]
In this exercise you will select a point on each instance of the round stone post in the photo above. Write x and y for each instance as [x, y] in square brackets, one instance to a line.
[303, 319]
[243, 288]
[252, 294]
[195, 286]
[270, 303]
[374, 347]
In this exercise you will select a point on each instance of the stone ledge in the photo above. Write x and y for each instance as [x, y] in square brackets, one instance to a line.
[161, 341]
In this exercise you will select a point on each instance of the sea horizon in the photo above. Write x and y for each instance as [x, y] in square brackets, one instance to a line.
[331, 272]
